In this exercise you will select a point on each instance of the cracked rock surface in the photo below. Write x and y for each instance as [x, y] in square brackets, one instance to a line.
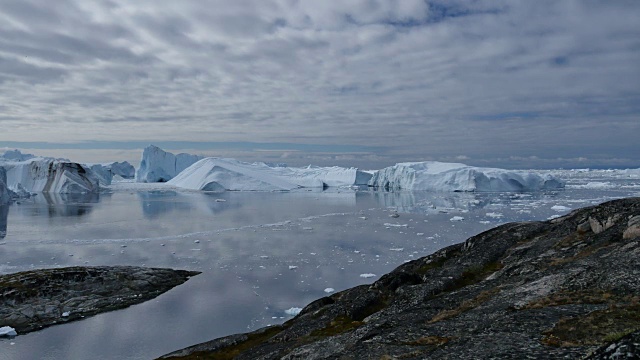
[567, 288]
[32, 300]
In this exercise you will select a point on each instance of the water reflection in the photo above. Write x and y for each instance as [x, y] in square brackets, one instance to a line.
[68, 204]
[4, 214]
[425, 202]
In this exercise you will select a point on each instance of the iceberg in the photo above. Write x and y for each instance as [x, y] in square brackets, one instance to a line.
[158, 165]
[217, 174]
[49, 175]
[438, 176]
[16, 155]
[106, 172]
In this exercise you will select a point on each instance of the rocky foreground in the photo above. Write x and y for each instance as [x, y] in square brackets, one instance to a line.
[32, 300]
[566, 288]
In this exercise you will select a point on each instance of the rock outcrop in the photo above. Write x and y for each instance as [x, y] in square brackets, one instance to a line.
[32, 300]
[560, 289]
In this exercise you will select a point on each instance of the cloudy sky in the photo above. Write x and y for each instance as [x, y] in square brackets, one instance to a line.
[367, 83]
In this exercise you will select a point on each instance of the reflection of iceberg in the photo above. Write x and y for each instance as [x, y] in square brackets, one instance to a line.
[4, 214]
[74, 204]
[430, 202]
[157, 203]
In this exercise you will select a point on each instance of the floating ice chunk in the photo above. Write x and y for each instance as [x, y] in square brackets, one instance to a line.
[553, 217]
[456, 218]
[395, 225]
[494, 215]
[367, 275]
[397, 249]
[291, 267]
[293, 311]
[329, 290]
[419, 234]
[7, 331]
[560, 208]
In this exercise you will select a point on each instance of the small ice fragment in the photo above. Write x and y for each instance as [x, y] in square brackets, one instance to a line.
[368, 275]
[293, 311]
[291, 267]
[395, 225]
[494, 215]
[397, 249]
[419, 234]
[553, 217]
[123, 246]
[560, 208]
[363, 217]
[307, 228]
[456, 218]
[221, 200]
[7, 331]
[65, 314]
[329, 290]
[394, 215]
[485, 222]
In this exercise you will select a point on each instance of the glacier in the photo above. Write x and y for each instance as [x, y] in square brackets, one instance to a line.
[439, 176]
[158, 165]
[217, 174]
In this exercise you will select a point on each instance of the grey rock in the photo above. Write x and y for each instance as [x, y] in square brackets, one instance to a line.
[32, 300]
[537, 290]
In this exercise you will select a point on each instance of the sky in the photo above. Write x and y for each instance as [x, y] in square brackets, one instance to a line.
[367, 83]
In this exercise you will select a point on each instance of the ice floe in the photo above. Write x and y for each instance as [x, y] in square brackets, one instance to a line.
[7, 331]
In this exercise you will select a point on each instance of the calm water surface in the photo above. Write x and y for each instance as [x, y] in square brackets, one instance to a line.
[260, 253]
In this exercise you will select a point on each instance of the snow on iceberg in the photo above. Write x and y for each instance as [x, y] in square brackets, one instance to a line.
[438, 176]
[216, 174]
[158, 165]
[49, 175]
[315, 176]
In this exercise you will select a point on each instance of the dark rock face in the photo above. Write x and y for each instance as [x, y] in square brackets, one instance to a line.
[32, 300]
[564, 288]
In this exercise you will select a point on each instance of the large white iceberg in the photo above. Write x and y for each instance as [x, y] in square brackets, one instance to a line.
[437, 176]
[216, 174]
[158, 165]
[49, 175]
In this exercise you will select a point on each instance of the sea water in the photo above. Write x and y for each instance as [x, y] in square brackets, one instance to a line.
[262, 255]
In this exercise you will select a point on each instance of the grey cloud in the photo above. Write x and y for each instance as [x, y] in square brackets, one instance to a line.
[420, 78]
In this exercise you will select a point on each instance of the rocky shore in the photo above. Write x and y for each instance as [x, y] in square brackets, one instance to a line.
[566, 288]
[32, 300]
